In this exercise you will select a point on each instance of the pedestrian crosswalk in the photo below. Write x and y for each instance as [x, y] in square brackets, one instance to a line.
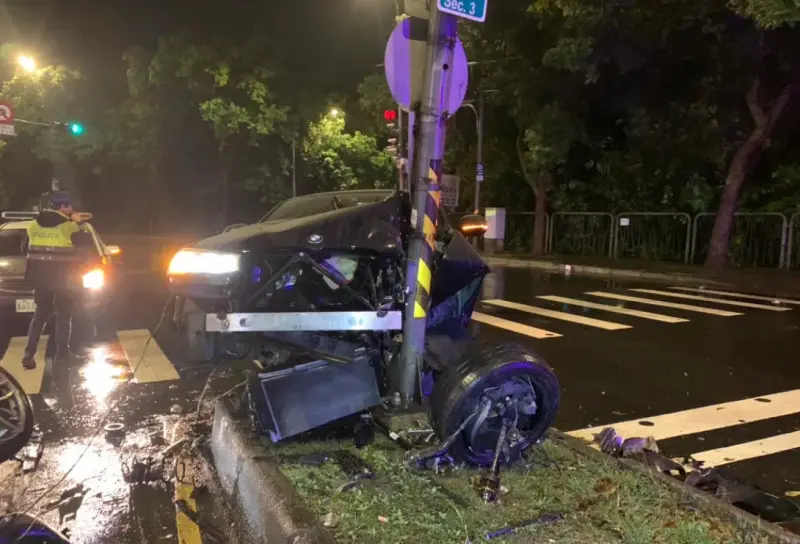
[632, 303]
[706, 419]
[146, 360]
[619, 311]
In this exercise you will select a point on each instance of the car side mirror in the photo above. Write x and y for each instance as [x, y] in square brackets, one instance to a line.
[234, 227]
[473, 225]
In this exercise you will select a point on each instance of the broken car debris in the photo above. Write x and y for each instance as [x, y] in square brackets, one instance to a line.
[694, 474]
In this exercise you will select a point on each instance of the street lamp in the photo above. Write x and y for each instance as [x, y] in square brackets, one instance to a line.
[479, 159]
[335, 112]
[27, 63]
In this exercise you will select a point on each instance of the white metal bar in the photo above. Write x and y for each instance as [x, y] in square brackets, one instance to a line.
[305, 321]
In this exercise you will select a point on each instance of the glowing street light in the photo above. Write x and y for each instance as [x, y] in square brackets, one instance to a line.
[27, 63]
[335, 112]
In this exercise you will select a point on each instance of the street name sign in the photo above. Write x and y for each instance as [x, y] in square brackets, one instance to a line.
[474, 10]
[7, 130]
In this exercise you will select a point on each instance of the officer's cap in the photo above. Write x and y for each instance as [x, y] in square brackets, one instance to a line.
[59, 199]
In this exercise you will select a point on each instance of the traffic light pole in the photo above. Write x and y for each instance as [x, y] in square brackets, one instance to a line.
[428, 159]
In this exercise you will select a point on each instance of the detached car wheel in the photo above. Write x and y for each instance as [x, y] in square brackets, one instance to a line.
[17, 411]
[506, 375]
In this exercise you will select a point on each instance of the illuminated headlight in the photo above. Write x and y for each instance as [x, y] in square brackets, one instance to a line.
[197, 261]
[94, 279]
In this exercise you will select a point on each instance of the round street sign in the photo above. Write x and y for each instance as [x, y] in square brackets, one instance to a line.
[6, 114]
[404, 63]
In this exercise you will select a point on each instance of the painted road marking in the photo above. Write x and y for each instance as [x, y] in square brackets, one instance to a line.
[704, 419]
[29, 380]
[749, 450]
[615, 309]
[737, 295]
[687, 307]
[512, 326]
[154, 366]
[714, 300]
[581, 320]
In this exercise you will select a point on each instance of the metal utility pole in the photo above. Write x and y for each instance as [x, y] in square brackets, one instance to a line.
[294, 164]
[428, 158]
[479, 163]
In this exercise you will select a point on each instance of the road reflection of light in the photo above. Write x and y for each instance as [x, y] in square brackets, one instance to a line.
[92, 463]
[100, 376]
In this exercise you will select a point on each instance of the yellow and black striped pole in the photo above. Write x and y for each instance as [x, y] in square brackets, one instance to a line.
[430, 132]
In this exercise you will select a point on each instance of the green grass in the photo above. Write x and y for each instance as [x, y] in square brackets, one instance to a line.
[602, 503]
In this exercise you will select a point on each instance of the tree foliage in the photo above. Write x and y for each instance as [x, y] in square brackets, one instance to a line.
[341, 160]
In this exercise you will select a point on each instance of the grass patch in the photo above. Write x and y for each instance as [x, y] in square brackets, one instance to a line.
[600, 501]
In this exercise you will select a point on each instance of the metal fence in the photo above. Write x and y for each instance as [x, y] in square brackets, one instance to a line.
[519, 230]
[757, 239]
[793, 244]
[581, 233]
[653, 236]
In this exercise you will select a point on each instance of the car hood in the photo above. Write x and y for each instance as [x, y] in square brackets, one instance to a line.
[377, 227]
[11, 267]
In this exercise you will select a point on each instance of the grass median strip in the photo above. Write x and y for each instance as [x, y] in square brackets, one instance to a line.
[600, 501]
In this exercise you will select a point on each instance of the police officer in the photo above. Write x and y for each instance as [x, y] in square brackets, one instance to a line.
[55, 245]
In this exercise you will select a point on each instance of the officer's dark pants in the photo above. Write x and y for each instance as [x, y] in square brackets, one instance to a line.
[46, 302]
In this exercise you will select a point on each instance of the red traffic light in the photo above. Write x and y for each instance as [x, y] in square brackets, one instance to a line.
[390, 115]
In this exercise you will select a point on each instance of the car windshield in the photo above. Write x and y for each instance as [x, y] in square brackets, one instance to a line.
[306, 206]
[11, 242]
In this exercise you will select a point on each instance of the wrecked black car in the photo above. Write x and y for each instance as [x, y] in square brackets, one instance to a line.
[314, 292]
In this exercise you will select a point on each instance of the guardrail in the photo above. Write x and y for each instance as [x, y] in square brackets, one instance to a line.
[793, 244]
[757, 239]
[656, 236]
[581, 233]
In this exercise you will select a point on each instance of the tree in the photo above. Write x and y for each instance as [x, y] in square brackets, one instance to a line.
[340, 160]
[229, 89]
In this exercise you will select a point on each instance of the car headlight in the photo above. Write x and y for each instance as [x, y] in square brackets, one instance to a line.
[94, 279]
[198, 261]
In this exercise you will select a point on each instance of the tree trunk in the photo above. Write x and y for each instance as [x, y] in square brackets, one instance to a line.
[744, 160]
[540, 214]
[540, 186]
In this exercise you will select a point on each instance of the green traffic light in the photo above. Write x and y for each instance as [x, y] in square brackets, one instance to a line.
[76, 129]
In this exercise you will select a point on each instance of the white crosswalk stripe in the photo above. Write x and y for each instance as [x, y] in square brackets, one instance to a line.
[698, 421]
[665, 304]
[129, 349]
[615, 309]
[513, 326]
[579, 319]
[774, 300]
[713, 300]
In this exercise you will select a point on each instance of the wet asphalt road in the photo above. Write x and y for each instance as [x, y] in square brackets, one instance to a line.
[608, 374]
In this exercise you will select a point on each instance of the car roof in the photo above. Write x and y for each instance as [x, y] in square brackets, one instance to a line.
[15, 225]
[347, 192]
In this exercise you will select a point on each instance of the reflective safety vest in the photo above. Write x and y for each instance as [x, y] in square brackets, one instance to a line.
[51, 241]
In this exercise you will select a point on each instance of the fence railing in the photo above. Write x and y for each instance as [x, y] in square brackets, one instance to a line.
[757, 239]
[793, 245]
[768, 240]
[653, 236]
[581, 233]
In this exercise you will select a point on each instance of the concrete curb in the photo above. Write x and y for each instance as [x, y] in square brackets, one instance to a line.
[613, 273]
[699, 499]
[261, 494]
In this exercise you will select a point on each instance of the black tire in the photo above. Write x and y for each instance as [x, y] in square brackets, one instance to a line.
[11, 446]
[459, 388]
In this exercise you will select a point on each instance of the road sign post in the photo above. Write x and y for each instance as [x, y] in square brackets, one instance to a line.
[428, 161]
[6, 120]
[474, 10]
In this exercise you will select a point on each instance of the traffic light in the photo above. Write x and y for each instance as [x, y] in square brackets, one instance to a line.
[76, 129]
[390, 116]
[71, 127]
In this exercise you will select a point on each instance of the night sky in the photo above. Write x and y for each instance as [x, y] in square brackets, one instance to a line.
[341, 40]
